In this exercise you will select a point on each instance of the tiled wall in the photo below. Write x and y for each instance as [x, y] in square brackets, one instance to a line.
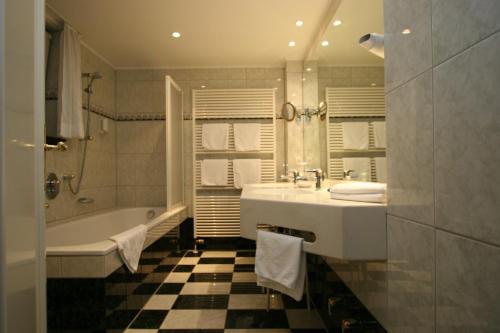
[140, 155]
[99, 182]
[442, 99]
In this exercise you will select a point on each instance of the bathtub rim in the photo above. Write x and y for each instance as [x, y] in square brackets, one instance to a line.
[105, 247]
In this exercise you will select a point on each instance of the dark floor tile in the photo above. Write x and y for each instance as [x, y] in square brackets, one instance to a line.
[149, 319]
[216, 261]
[146, 289]
[150, 261]
[170, 288]
[246, 288]
[193, 254]
[191, 331]
[290, 303]
[256, 319]
[177, 254]
[201, 302]
[245, 254]
[211, 277]
[120, 319]
[164, 268]
[184, 268]
[244, 268]
[308, 330]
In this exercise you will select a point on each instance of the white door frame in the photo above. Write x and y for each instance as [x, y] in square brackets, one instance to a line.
[29, 302]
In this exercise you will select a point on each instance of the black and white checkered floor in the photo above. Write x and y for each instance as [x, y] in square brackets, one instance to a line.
[216, 292]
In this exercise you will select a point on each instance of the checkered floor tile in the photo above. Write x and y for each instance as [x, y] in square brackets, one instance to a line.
[216, 292]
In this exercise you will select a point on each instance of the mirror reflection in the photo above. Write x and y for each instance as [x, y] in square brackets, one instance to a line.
[343, 85]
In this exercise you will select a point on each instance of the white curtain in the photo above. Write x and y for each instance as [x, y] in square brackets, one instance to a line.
[69, 106]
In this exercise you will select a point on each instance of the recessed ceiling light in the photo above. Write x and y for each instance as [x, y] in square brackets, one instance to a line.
[336, 23]
[291, 43]
[325, 43]
[176, 34]
[406, 31]
[299, 23]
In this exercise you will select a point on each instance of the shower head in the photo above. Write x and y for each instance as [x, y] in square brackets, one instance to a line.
[91, 76]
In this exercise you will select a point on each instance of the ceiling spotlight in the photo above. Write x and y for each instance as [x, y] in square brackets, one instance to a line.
[291, 43]
[336, 23]
[325, 43]
[406, 31]
[176, 34]
[299, 23]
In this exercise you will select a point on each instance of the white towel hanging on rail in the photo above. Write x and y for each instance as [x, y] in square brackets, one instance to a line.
[247, 136]
[214, 172]
[215, 136]
[246, 171]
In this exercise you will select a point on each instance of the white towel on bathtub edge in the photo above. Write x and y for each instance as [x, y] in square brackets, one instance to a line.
[130, 245]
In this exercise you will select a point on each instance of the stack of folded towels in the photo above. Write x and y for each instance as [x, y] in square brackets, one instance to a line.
[359, 191]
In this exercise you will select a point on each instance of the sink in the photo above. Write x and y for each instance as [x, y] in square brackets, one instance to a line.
[344, 229]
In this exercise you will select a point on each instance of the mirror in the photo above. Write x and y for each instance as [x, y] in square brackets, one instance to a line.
[344, 84]
[288, 111]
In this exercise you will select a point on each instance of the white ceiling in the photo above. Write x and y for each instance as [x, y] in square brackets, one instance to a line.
[136, 33]
[358, 17]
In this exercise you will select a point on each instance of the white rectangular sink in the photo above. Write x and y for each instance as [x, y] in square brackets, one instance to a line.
[344, 229]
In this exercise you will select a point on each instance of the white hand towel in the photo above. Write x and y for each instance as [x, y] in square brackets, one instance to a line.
[375, 198]
[246, 171]
[358, 188]
[280, 263]
[355, 134]
[360, 165]
[130, 245]
[247, 136]
[381, 168]
[214, 172]
[379, 133]
[215, 136]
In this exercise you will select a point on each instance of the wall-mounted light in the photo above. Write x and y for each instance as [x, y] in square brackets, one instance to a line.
[406, 31]
[291, 43]
[176, 34]
[299, 23]
[325, 43]
[336, 23]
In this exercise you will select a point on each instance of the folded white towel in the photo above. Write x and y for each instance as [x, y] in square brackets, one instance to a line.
[360, 165]
[214, 172]
[246, 171]
[359, 188]
[376, 198]
[215, 136]
[379, 133]
[381, 168]
[355, 134]
[130, 245]
[280, 263]
[247, 136]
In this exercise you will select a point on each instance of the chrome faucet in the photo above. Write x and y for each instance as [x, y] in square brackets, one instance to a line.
[347, 173]
[296, 176]
[319, 176]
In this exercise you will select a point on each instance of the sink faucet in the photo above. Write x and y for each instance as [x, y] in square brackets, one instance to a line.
[319, 176]
[347, 173]
[296, 176]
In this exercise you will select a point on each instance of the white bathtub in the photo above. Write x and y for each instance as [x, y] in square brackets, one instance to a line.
[81, 247]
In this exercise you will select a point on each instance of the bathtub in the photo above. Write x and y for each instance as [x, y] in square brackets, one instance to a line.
[81, 248]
